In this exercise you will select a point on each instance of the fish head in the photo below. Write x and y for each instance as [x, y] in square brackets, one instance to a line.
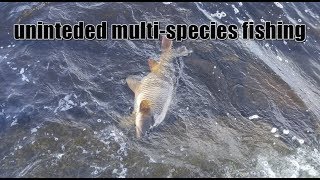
[144, 119]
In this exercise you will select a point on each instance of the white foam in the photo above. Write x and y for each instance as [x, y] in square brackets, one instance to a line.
[301, 141]
[263, 164]
[278, 5]
[182, 148]
[305, 162]
[219, 14]
[65, 104]
[97, 169]
[166, 3]
[273, 130]
[315, 150]
[15, 122]
[34, 130]
[285, 131]
[59, 155]
[21, 70]
[206, 13]
[107, 136]
[24, 78]
[254, 117]
[151, 160]
[236, 10]
[121, 174]
[83, 104]
[240, 21]
[97, 151]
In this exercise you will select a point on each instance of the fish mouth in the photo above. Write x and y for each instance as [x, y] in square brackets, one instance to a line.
[143, 124]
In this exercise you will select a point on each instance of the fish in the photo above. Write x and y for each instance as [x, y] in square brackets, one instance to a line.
[154, 92]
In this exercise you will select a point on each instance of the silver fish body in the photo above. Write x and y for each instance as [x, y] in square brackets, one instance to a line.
[154, 92]
[159, 91]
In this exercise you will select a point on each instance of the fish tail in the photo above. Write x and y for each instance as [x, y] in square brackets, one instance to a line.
[168, 53]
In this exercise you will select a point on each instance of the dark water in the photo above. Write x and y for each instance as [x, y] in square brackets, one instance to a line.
[242, 108]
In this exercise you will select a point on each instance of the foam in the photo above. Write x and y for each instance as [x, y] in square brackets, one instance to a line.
[285, 131]
[303, 162]
[219, 14]
[254, 117]
[65, 104]
[15, 122]
[106, 136]
[278, 5]
[34, 130]
[236, 10]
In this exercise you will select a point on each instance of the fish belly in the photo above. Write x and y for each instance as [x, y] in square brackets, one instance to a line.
[159, 92]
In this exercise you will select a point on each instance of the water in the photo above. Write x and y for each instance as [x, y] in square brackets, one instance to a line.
[242, 108]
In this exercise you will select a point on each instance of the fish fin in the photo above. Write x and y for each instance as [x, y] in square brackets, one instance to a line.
[127, 122]
[152, 64]
[133, 82]
[144, 107]
[166, 49]
[166, 44]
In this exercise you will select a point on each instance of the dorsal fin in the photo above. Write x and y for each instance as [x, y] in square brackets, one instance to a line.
[166, 44]
[144, 106]
[133, 82]
[152, 64]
